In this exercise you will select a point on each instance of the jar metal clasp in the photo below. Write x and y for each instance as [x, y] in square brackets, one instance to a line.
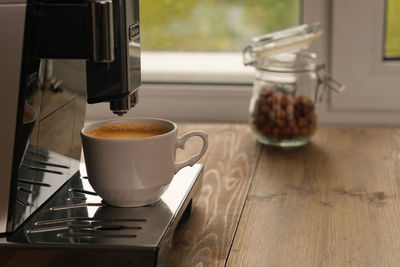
[248, 58]
[327, 82]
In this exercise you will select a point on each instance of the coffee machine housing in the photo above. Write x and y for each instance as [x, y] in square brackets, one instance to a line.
[55, 56]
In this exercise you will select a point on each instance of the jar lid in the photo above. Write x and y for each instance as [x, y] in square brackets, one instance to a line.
[288, 62]
[283, 48]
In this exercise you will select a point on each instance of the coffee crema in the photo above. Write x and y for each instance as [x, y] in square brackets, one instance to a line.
[129, 130]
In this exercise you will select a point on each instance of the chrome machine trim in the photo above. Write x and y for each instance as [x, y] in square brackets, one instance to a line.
[11, 49]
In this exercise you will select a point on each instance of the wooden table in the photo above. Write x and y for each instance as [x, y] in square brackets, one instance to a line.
[334, 202]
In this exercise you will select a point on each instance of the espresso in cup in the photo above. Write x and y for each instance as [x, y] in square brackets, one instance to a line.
[130, 162]
[128, 130]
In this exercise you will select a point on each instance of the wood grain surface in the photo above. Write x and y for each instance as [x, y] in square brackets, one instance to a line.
[334, 202]
[205, 239]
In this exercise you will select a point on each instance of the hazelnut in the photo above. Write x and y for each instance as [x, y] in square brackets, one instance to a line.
[284, 116]
[271, 123]
[283, 101]
[296, 131]
[308, 103]
[290, 99]
[290, 110]
[262, 101]
[304, 131]
[266, 130]
[255, 122]
[282, 113]
[281, 123]
[275, 132]
[287, 131]
[292, 123]
[265, 109]
[272, 115]
[278, 95]
[299, 100]
[261, 118]
[269, 92]
[302, 121]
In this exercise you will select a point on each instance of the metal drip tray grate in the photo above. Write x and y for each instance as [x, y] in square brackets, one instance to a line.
[76, 218]
[41, 174]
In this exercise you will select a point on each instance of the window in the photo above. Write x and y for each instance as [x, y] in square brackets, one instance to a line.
[354, 47]
[212, 25]
[195, 41]
[191, 74]
[192, 65]
[392, 34]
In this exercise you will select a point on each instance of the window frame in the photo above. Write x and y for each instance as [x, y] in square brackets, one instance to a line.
[195, 68]
[372, 82]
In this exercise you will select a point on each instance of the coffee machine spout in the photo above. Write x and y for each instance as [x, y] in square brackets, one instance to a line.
[117, 81]
[104, 33]
[122, 105]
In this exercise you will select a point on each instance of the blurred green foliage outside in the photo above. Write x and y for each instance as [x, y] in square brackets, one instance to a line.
[392, 44]
[212, 25]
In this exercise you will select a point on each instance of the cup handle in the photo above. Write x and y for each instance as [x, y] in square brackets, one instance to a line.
[180, 143]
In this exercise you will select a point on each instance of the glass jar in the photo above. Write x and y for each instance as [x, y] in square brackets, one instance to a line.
[286, 90]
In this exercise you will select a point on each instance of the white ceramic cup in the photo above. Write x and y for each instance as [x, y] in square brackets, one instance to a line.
[133, 172]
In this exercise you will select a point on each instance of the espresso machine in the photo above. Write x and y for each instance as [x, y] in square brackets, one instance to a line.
[56, 55]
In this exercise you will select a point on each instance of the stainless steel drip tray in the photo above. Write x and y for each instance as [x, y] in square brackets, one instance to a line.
[77, 220]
